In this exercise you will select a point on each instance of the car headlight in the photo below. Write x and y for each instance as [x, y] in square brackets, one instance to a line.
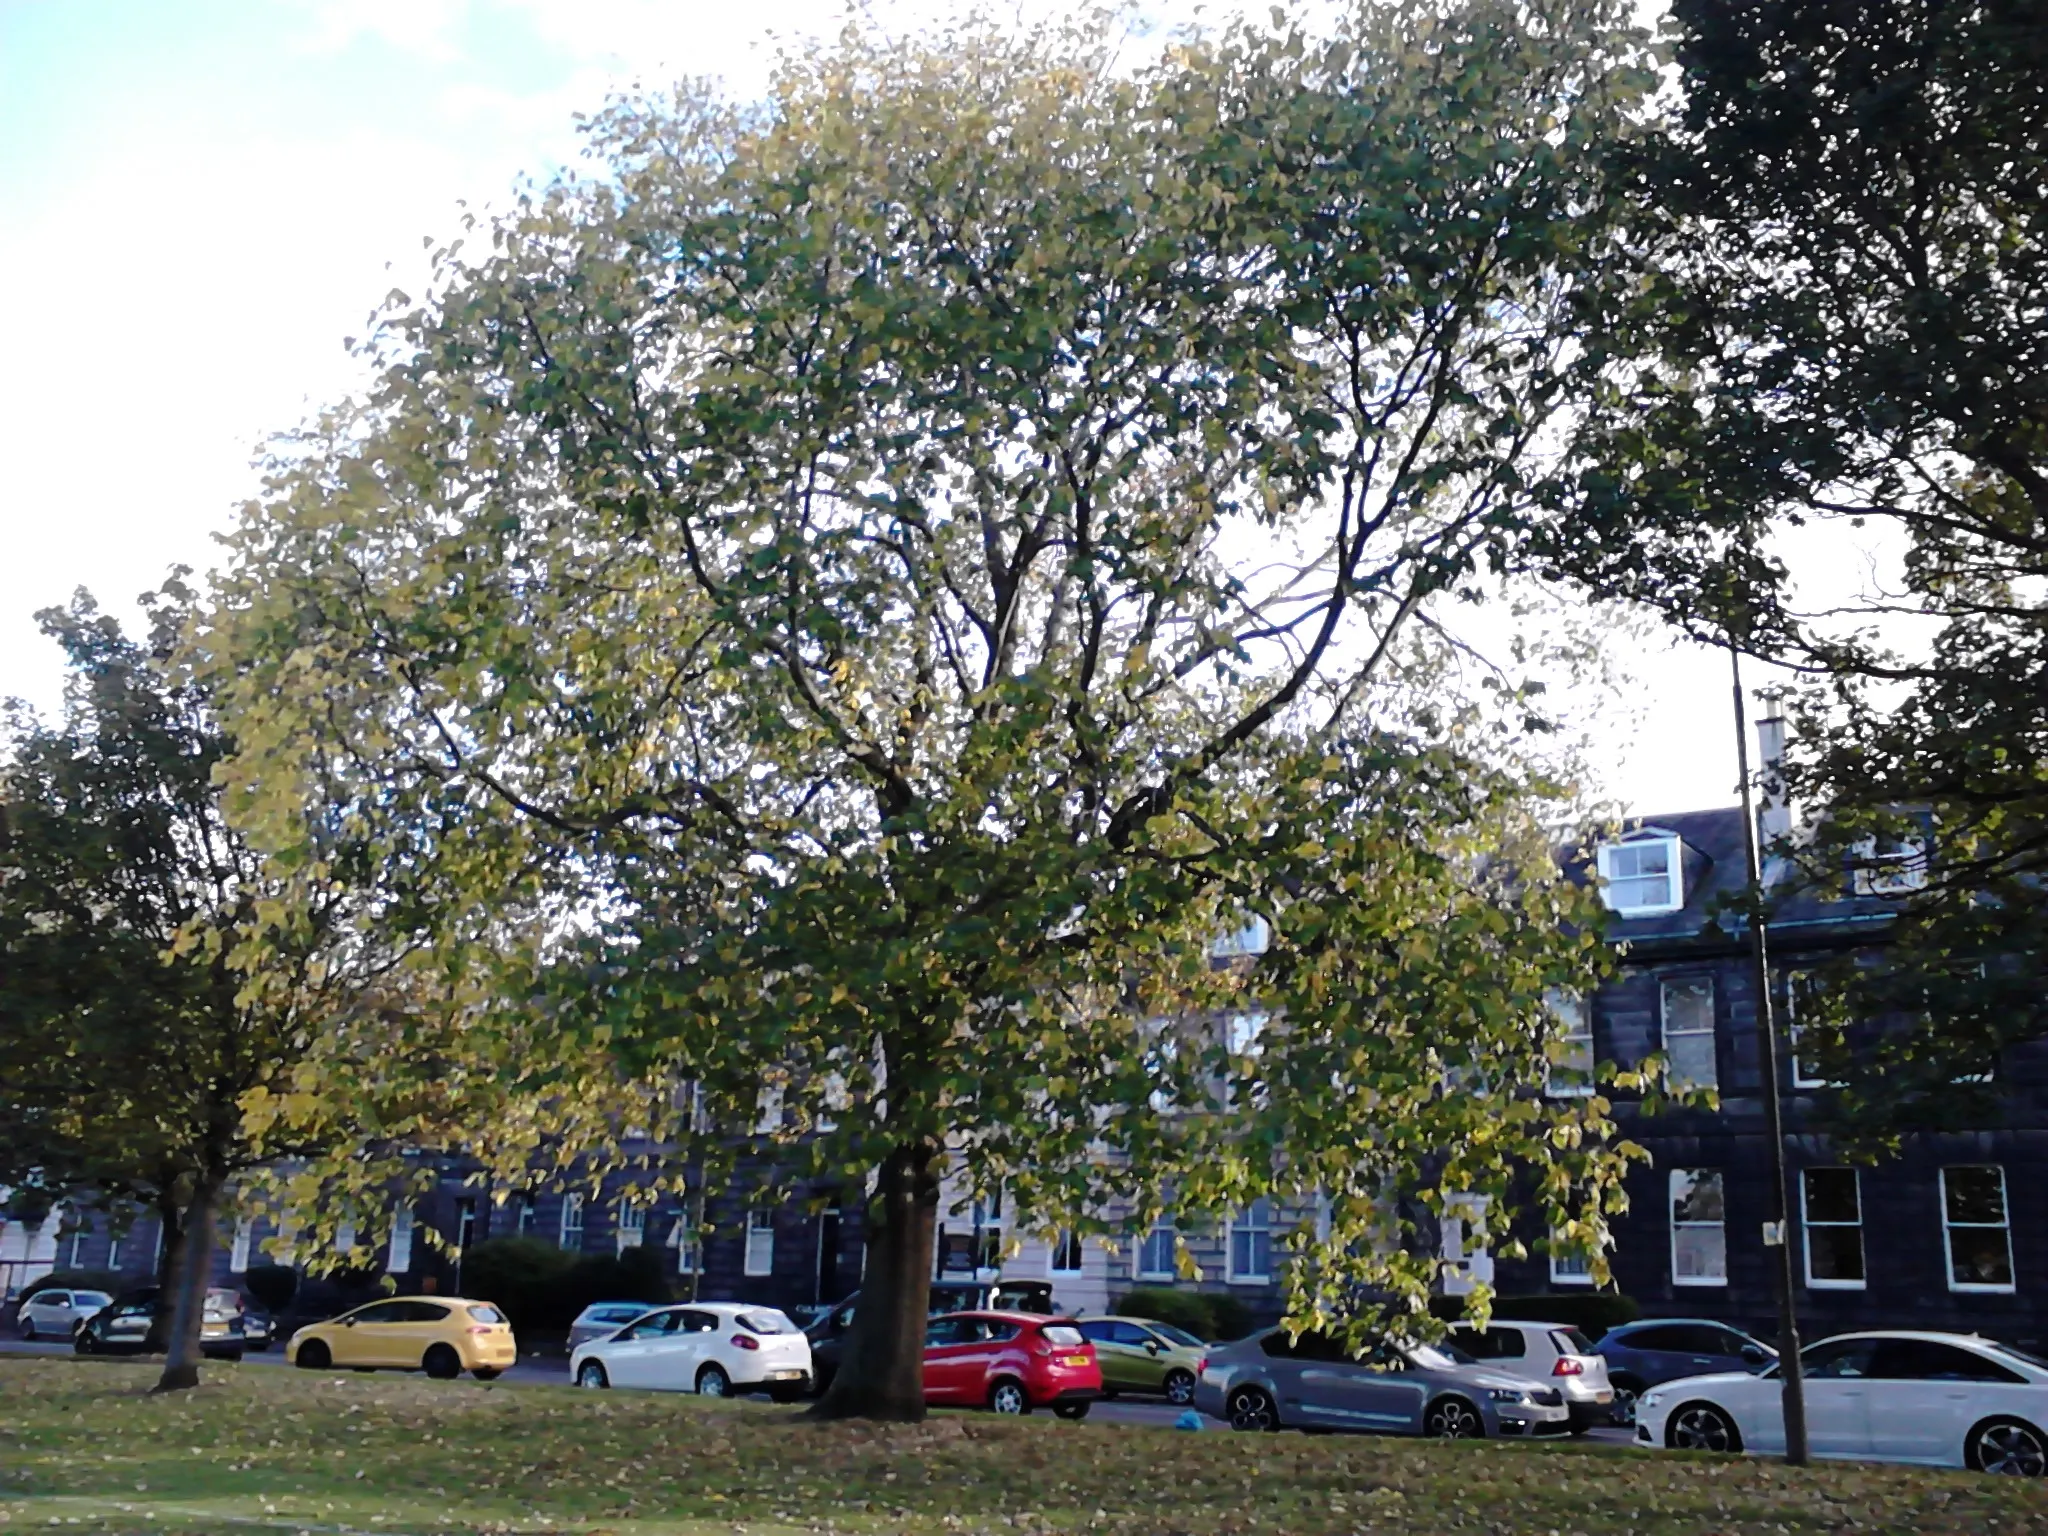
[1647, 1400]
[1506, 1394]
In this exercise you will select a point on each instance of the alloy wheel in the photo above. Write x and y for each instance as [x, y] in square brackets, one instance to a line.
[1702, 1428]
[1180, 1388]
[713, 1382]
[1252, 1411]
[1622, 1411]
[1454, 1419]
[1008, 1397]
[2011, 1450]
[592, 1376]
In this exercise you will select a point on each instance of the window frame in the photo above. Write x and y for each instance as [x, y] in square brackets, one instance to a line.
[400, 1241]
[1948, 1259]
[1064, 1240]
[1241, 1220]
[630, 1229]
[572, 1206]
[1561, 1276]
[760, 1225]
[1171, 1228]
[1807, 1224]
[1572, 1008]
[1666, 985]
[1705, 1282]
[1800, 1080]
[1674, 872]
[238, 1245]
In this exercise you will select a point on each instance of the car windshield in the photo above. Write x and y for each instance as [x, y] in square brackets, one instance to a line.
[1438, 1357]
[1060, 1334]
[1174, 1335]
[766, 1322]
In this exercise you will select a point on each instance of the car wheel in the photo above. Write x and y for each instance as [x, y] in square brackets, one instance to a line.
[28, 1329]
[2007, 1448]
[1251, 1410]
[1070, 1410]
[1008, 1397]
[1622, 1411]
[1701, 1427]
[591, 1374]
[713, 1382]
[1452, 1418]
[487, 1373]
[313, 1356]
[1180, 1388]
[442, 1363]
[84, 1343]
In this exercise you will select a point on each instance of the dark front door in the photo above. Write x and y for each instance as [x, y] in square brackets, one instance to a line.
[829, 1288]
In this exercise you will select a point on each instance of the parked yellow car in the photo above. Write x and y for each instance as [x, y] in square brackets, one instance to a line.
[1139, 1355]
[441, 1335]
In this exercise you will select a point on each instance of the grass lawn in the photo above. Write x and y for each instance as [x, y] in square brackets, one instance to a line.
[83, 1447]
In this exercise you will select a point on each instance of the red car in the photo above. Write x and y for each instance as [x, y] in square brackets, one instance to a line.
[1012, 1362]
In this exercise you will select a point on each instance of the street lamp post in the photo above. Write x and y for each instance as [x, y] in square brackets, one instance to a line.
[1777, 1229]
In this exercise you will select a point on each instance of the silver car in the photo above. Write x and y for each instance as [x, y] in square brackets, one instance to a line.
[602, 1319]
[56, 1314]
[1309, 1381]
[1552, 1354]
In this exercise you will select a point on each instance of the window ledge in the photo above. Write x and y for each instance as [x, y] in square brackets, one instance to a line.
[1982, 1290]
[1838, 1285]
[1720, 1283]
[1248, 1280]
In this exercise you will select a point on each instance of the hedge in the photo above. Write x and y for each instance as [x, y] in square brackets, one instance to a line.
[1205, 1314]
[542, 1288]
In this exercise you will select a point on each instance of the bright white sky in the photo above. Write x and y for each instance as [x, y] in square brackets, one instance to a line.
[199, 201]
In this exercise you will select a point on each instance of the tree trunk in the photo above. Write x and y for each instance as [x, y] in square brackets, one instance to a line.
[881, 1375]
[195, 1271]
[169, 1220]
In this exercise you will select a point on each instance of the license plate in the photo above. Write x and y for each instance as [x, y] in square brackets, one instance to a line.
[784, 1375]
[1075, 1360]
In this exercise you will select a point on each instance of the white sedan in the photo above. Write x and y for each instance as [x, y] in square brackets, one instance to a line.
[715, 1347]
[1944, 1399]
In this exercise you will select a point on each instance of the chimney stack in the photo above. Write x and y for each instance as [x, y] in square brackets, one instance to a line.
[1774, 818]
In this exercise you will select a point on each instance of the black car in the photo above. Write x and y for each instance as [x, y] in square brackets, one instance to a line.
[123, 1328]
[1647, 1354]
[828, 1333]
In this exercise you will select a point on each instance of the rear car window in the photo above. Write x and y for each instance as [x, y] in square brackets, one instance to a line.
[486, 1314]
[766, 1322]
[1062, 1335]
[1569, 1341]
[1493, 1344]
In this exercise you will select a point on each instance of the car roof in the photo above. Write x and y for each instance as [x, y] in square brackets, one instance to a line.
[1007, 1317]
[1505, 1323]
[1929, 1334]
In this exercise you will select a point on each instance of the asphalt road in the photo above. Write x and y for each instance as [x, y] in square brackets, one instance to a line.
[542, 1371]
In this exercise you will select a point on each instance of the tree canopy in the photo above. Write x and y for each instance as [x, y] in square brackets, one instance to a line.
[133, 1014]
[846, 598]
[1847, 330]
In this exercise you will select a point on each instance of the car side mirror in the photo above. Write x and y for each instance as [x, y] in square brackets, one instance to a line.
[1151, 1346]
[348, 1322]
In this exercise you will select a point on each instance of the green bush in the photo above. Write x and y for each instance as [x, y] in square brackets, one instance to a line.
[273, 1285]
[1204, 1314]
[541, 1288]
[75, 1280]
[1593, 1313]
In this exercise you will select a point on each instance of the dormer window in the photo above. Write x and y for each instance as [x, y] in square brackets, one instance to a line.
[1891, 864]
[1642, 875]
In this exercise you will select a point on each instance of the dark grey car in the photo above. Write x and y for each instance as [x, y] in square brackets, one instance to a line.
[1271, 1381]
[1643, 1355]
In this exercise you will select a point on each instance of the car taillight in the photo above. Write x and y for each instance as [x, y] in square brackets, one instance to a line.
[1040, 1348]
[745, 1341]
[1568, 1366]
[1202, 1365]
[481, 1328]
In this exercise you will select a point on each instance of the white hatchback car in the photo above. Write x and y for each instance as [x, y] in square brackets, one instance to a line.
[1556, 1354]
[1945, 1399]
[715, 1348]
[56, 1314]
